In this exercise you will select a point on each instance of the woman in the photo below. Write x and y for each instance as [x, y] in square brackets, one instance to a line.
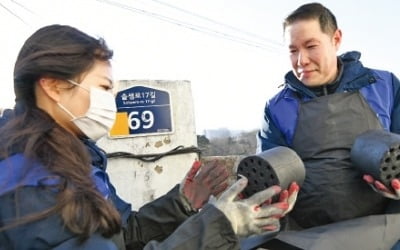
[55, 192]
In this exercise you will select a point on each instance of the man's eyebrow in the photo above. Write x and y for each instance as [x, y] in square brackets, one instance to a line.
[291, 46]
[311, 40]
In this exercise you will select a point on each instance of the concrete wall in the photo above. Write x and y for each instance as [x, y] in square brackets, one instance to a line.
[139, 182]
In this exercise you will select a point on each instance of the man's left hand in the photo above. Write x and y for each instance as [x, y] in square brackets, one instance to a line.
[378, 186]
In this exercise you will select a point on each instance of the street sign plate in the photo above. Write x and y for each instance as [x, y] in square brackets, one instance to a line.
[142, 111]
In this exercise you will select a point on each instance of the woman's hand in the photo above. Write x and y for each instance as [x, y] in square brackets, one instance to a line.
[204, 180]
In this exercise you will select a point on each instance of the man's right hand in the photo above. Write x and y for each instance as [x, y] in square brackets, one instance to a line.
[290, 196]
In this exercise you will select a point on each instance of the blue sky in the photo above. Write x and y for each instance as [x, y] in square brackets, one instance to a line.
[231, 50]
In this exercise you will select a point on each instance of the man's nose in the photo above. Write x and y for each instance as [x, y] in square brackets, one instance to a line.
[302, 58]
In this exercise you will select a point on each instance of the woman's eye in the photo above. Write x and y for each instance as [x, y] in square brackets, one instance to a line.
[106, 87]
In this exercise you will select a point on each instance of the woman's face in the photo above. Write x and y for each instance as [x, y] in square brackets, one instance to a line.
[77, 99]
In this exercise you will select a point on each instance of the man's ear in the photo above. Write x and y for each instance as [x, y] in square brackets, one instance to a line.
[50, 87]
[337, 38]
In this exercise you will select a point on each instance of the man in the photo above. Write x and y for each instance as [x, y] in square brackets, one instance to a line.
[326, 103]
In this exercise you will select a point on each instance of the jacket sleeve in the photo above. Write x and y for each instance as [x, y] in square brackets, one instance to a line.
[269, 136]
[156, 220]
[209, 229]
[395, 116]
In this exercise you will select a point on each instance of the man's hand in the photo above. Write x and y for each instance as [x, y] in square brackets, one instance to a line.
[290, 196]
[202, 181]
[251, 216]
[378, 187]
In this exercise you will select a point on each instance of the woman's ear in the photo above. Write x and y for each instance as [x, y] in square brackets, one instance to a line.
[49, 87]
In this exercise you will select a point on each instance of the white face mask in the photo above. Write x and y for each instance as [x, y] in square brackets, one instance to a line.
[100, 116]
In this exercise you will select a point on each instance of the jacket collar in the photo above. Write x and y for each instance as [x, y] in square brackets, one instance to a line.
[98, 156]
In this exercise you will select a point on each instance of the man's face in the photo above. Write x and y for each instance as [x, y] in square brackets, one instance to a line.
[312, 52]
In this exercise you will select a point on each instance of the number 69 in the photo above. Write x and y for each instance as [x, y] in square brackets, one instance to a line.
[145, 120]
